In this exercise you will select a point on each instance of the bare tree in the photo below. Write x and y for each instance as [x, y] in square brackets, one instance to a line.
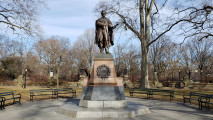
[12, 52]
[127, 56]
[201, 53]
[84, 49]
[137, 16]
[69, 67]
[32, 64]
[119, 53]
[186, 62]
[158, 52]
[133, 57]
[190, 18]
[196, 19]
[13, 49]
[52, 52]
[21, 16]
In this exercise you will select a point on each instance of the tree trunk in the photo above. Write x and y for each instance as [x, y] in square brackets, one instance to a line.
[141, 11]
[58, 70]
[145, 36]
[144, 66]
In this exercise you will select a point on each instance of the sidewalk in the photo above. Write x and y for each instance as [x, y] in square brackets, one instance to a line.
[160, 110]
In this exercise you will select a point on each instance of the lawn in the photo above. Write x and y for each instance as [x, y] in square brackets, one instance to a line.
[178, 95]
[25, 95]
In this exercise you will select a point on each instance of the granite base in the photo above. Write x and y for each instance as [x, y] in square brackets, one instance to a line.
[75, 111]
[103, 104]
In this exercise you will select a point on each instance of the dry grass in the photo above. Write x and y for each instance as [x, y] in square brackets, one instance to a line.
[178, 95]
[180, 92]
[25, 95]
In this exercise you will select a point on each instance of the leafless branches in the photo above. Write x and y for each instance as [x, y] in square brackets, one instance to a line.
[193, 21]
[21, 16]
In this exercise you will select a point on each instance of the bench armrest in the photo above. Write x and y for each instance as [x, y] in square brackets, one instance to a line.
[31, 92]
[2, 98]
[203, 98]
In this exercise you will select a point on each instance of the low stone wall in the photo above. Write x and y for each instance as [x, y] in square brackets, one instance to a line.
[209, 86]
[196, 85]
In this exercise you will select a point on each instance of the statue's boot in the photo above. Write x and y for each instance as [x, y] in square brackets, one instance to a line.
[101, 50]
[107, 50]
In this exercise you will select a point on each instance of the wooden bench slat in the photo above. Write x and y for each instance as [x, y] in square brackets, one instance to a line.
[202, 99]
[151, 92]
[53, 92]
[66, 91]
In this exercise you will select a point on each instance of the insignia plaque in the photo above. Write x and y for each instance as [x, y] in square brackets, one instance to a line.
[103, 71]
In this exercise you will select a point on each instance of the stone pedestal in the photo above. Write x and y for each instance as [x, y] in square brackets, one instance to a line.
[103, 89]
[209, 86]
[19, 81]
[103, 104]
[81, 81]
[103, 94]
[74, 111]
[173, 85]
[160, 85]
[126, 77]
[128, 83]
[181, 85]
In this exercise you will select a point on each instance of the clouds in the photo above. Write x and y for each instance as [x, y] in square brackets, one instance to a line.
[68, 18]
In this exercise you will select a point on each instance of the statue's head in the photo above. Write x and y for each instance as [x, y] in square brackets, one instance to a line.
[103, 13]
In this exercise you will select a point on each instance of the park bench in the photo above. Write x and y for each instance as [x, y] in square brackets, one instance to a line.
[161, 92]
[60, 91]
[210, 101]
[54, 93]
[198, 97]
[151, 92]
[138, 91]
[206, 102]
[42, 92]
[2, 103]
[5, 96]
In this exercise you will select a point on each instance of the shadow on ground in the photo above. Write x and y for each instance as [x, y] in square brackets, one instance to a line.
[160, 110]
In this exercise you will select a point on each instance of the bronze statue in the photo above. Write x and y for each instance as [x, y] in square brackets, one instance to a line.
[104, 33]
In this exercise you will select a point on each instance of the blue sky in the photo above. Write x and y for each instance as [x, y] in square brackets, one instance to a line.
[68, 18]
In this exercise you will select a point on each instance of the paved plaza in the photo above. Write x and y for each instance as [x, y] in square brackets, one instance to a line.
[160, 110]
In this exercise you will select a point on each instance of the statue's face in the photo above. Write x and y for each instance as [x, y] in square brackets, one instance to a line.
[103, 13]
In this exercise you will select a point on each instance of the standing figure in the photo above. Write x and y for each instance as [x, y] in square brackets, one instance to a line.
[104, 33]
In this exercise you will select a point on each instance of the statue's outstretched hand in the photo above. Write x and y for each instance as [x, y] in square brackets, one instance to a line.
[115, 26]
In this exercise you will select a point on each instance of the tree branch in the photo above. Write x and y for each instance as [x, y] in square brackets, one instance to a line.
[174, 24]
[130, 27]
[150, 7]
